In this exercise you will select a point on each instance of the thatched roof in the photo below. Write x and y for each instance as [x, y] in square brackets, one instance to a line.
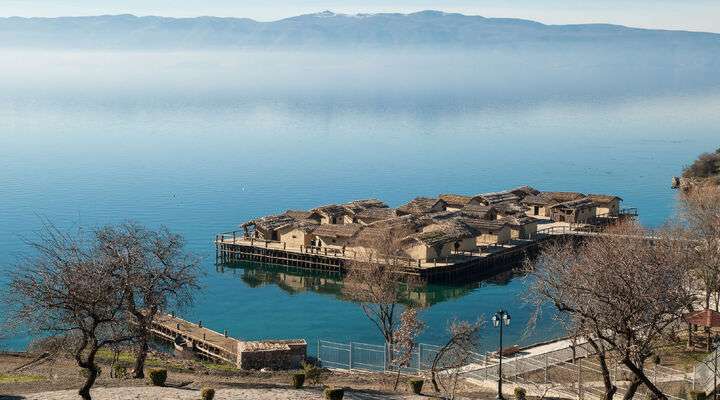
[482, 225]
[551, 198]
[271, 222]
[351, 208]
[420, 205]
[344, 230]
[518, 220]
[280, 221]
[370, 236]
[524, 191]
[455, 227]
[510, 207]
[298, 214]
[331, 210]
[538, 200]
[377, 213]
[575, 204]
[603, 198]
[404, 225]
[498, 197]
[432, 238]
[305, 225]
[455, 200]
[561, 197]
[478, 211]
[358, 206]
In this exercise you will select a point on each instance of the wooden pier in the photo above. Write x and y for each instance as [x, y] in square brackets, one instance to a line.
[212, 345]
[232, 247]
[203, 341]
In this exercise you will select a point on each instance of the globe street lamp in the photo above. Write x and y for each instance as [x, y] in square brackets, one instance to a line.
[500, 319]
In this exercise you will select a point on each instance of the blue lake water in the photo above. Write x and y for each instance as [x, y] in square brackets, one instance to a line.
[94, 139]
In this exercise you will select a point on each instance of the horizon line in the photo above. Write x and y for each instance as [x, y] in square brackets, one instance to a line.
[138, 15]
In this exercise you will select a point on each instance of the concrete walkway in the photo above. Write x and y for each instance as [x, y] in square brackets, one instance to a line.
[162, 393]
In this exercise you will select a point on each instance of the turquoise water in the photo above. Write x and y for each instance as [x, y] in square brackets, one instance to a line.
[83, 143]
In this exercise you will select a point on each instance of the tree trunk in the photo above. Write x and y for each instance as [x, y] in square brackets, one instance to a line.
[140, 357]
[640, 374]
[632, 389]
[92, 370]
[610, 388]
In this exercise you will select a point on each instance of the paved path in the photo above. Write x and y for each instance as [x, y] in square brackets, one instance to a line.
[160, 393]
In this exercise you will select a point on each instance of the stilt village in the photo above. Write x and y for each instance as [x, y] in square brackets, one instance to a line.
[439, 238]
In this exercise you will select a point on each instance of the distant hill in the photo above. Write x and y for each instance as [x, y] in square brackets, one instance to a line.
[325, 30]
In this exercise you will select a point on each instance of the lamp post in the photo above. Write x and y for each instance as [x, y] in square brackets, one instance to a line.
[500, 319]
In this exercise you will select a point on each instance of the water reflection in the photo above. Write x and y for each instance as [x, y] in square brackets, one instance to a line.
[294, 280]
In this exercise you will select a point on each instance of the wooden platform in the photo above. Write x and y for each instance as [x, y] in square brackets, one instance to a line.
[273, 354]
[232, 247]
[207, 342]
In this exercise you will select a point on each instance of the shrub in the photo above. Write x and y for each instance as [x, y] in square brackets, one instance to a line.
[157, 377]
[416, 385]
[207, 394]
[334, 393]
[120, 371]
[312, 373]
[520, 393]
[693, 395]
[298, 380]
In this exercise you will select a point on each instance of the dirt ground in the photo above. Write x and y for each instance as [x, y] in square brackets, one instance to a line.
[19, 380]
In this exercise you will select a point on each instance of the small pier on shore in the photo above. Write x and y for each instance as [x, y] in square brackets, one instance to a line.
[207, 343]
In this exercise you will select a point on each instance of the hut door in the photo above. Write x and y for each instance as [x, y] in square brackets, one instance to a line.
[536, 210]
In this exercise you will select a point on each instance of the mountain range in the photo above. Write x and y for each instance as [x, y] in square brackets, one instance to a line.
[325, 30]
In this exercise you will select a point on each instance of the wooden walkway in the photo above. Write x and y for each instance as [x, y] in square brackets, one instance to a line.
[232, 247]
[207, 342]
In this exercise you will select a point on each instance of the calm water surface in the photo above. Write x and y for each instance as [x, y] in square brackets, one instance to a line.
[203, 153]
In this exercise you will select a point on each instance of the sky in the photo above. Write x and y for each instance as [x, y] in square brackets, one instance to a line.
[696, 15]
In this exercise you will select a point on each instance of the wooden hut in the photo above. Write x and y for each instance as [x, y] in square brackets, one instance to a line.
[455, 202]
[521, 226]
[422, 205]
[539, 204]
[479, 212]
[581, 211]
[338, 235]
[493, 198]
[606, 205]
[489, 232]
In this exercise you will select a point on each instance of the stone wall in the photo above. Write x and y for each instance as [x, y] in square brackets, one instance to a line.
[272, 354]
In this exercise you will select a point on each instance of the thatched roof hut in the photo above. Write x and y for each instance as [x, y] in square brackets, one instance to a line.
[337, 231]
[422, 205]
[496, 197]
[456, 201]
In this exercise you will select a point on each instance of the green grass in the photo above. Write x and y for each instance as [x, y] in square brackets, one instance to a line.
[224, 367]
[20, 378]
[127, 358]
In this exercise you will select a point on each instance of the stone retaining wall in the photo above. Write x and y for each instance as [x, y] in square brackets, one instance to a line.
[272, 354]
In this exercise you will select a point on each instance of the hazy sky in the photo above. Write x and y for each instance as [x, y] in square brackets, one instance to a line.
[700, 15]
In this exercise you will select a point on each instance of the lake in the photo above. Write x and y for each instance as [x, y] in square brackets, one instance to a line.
[201, 142]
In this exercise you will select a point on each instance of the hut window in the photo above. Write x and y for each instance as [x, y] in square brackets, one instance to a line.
[294, 237]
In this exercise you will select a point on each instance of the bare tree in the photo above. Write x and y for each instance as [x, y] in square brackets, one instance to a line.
[375, 280]
[67, 290]
[624, 291]
[406, 340]
[154, 273]
[454, 355]
[700, 212]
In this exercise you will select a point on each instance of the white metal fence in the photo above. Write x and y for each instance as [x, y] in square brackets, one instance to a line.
[371, 357]
[569, 372]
